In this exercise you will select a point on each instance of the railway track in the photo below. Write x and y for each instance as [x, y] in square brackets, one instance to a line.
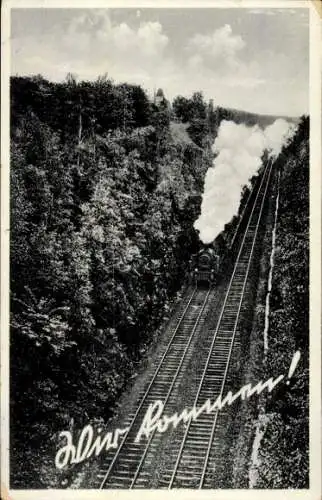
[199, 451]
[191, 453]
[124, 466]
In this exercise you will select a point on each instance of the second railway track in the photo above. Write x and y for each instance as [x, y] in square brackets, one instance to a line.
[123, 469]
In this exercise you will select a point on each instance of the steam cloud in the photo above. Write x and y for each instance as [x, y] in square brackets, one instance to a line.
[239, 150]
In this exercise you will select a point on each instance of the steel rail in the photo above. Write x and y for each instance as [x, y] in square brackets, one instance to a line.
[242, 215]
[235, 329]
[217, 328]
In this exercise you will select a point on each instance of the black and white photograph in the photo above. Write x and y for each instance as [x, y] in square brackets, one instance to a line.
[161, 238]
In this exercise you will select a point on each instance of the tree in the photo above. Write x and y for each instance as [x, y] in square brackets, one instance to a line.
[198, 106]
[182, 108]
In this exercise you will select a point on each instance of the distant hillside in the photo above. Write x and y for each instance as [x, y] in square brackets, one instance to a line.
[251, 119]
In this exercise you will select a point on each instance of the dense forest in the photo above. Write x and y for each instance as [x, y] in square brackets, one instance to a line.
[106, 184]
[103, 200]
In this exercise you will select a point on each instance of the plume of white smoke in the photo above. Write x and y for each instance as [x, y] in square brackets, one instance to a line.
[239, 150]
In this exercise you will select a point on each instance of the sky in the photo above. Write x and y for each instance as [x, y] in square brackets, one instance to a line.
[251, 59]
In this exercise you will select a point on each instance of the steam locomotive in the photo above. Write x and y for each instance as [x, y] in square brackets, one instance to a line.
[206, 265]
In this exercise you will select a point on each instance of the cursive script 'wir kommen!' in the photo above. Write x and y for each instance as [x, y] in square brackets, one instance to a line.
[154, 420]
